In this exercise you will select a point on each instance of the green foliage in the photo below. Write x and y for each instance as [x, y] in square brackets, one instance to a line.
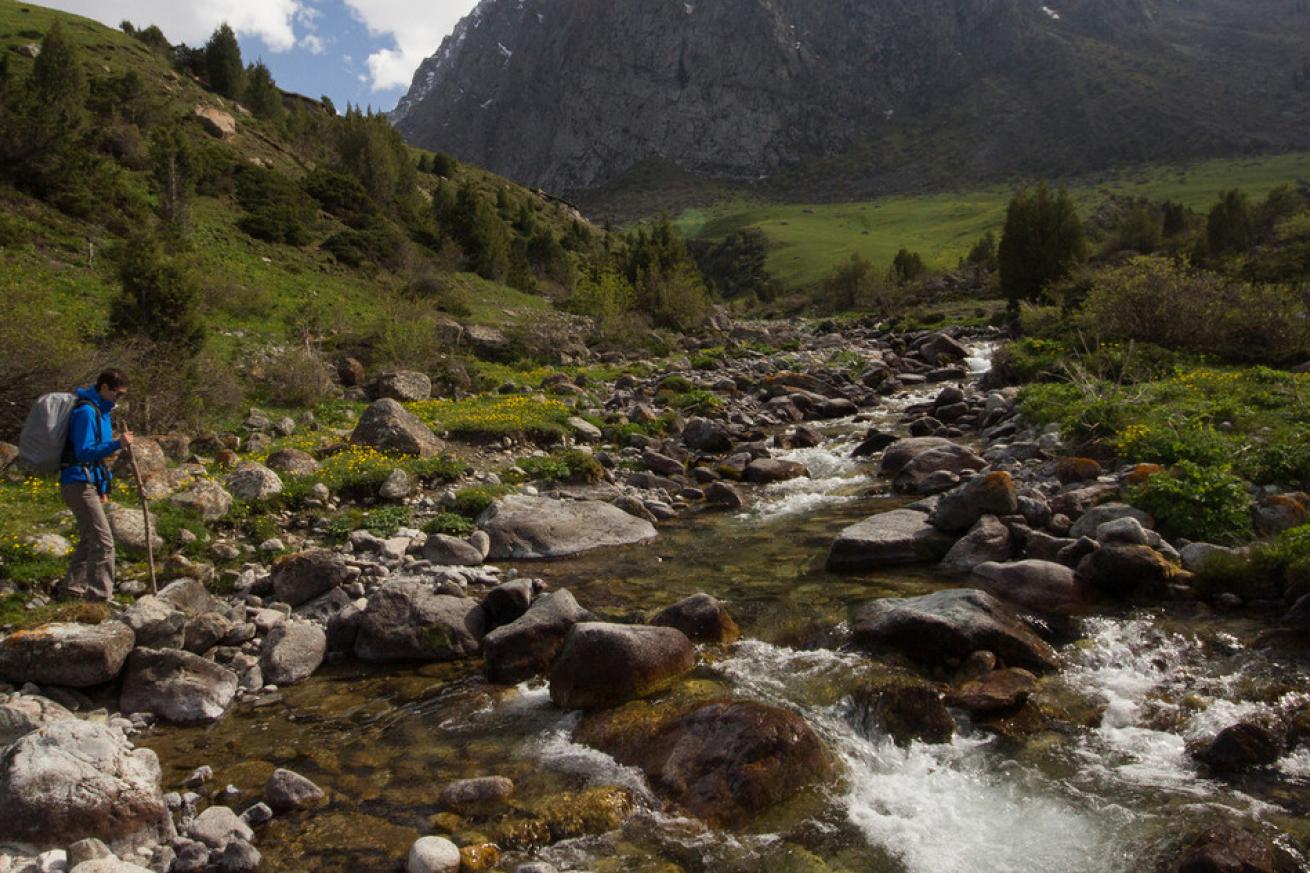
[261, 95]
[449, 523]
[480, 231]
[371, 150]
[473, 501]
[1042, 241]
[737, 265]
[223, 67]
[907, 266]
[58, 83]
[25, 567]
[158, 299]
[173, 170]
[378, 242]
[1139, 231]
[856, 284]
[1201, 503]
[340, 194]
[983, 253]
[602, 293]
[570, 465]
[278, 211]
[670, 289]
[1228, 226]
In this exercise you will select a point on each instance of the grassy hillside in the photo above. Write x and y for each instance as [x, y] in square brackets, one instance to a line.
[809, 238]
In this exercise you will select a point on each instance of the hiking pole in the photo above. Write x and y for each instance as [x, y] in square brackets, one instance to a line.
[145, 512]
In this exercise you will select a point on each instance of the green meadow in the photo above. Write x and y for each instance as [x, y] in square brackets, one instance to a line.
[808, 239]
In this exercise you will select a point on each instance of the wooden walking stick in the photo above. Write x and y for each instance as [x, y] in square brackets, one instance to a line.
[145, 512]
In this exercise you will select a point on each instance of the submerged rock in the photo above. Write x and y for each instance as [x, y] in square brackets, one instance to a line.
[947, 625]
[524, 528]
[605, 664]
[1227, 849]
[1247, 744]
[904, 706]
[432, 855]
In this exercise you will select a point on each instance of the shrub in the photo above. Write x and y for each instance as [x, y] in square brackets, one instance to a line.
[1197, 502]
[340, 194]
[473, 501]
[446, 296]
[449, 523]
[298, 377]
[1043, 239]
[278, 210]
[158, 301]
[377, 243]
[572, 465]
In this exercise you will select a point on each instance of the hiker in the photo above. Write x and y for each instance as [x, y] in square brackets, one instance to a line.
[84, 485]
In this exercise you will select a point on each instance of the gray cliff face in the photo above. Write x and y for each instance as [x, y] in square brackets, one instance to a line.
[570, 94]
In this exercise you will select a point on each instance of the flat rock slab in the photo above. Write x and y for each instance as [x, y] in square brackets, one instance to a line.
[524, 528]
[948, 625]
[66, 653]
[177, 686]
[902, 536]
[1042, 585]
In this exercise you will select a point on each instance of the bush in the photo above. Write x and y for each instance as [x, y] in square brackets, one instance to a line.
[278, 210]
[377, 243]
[1042, 241]
[473, 501]
[298, 377]
[340, 194]
[1201, 503]
[446, 296]
[449, 523]
[568, 466]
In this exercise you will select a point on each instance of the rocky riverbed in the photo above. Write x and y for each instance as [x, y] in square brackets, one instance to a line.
[857, 619]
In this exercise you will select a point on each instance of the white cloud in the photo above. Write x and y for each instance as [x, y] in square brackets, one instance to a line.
[314, 43]
[193, 22]
[417, 30]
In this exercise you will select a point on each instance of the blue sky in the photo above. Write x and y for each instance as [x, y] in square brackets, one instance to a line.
[357, 51]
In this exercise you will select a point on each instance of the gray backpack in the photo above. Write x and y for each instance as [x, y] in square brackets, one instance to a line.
[45, 433]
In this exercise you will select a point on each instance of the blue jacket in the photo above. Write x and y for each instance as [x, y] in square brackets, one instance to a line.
[88, 452]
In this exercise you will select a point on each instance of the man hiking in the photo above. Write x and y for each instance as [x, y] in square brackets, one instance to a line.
[84, 486]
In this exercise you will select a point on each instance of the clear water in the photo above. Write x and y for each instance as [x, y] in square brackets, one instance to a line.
[1108, 788]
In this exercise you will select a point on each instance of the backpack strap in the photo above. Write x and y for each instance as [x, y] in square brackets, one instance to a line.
[71, 460]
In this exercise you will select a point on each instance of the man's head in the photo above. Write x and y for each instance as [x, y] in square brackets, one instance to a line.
[112, 384]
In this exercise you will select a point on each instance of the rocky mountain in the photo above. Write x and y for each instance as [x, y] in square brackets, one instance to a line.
[846, 97]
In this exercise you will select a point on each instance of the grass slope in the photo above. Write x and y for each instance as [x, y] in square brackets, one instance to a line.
[809, 238]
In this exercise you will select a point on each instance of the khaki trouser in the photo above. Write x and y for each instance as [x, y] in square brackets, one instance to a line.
[91, 568]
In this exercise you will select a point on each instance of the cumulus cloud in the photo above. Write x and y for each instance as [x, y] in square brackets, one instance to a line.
[416, 29]
[193, 22]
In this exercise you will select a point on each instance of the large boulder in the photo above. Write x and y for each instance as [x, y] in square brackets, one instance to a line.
[444, 549]
[253, 482]
[1227, 849]
[206, 497]
[986, 494]
[701, 617]
[23, 713]
[292, 462]
[603, 664]
[407, 386]
[704, 435]
[902, 536]
[301, 577]
[151, 462]
[216, 122]
[292, 652]
[128, 525]
[1252, 742]
[156, 623]
[765, 470]
[1093, 518]
[523, 527]
[74, 779]
[903, 706]
[937, 470]
[407, 621]
[177, 686]
[723, 761]
[899, 453]
[66, 653]
[940, 349]
[946, 626]
[1124, 571]
[390, 427]
[528, 646]
[988, 540]
[1041, 585]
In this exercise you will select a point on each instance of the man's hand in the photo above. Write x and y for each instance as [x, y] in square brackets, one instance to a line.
[126, 438]
[104, 498]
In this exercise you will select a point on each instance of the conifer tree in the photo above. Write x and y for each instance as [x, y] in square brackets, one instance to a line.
[1042, 241]
[223, 63]
[158, 301]
[1228, 226]
[58, 83]
[261, 95]
[173, 169]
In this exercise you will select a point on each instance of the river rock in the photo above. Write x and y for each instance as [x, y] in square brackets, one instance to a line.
[523, 527]
[452, 551]
[23, 713]
[899, 454]
[1093, 518]
[602, 665]
[1252, 742]
[406, 620]
[217, 826]
[724, 761]
[239, 857]
[129, 528]
[176, 686]
[390, 427]
[108, 865]
[407, 386]
[988, 540]
[1125, 531]
[724, 495]
[286, 790]
[253, 482]
[292, 462]
[936, 470]
[765, 470]
[74, 779]
[1041, 585]
[988, 494]
[206, 497]
[66, 653]
[190, 596]
[1123, 571]
[948, 625]
[994, 692]
[432, 855]
[292, 652]
[479, 795]
[528, 646]
[509, 600]
[156, 624]
[940, 349]
[1196, 555]
[304, 576]
[701, 617]
[902, 705]
[397, 486]
[204, 631]
[1227, 849]
[902, 536]
[704, 435]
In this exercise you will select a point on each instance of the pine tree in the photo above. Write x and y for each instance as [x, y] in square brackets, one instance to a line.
[1042, 241]
[1228, 226]
[907, 266]
[1175, 219]
[261, 95]
[223, 63]
[173, 168]
[158, 301]
[58, 83]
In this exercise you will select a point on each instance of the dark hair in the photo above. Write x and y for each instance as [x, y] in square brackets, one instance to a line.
[113, 377]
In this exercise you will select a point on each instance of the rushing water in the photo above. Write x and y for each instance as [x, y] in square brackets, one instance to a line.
[1109, 788]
